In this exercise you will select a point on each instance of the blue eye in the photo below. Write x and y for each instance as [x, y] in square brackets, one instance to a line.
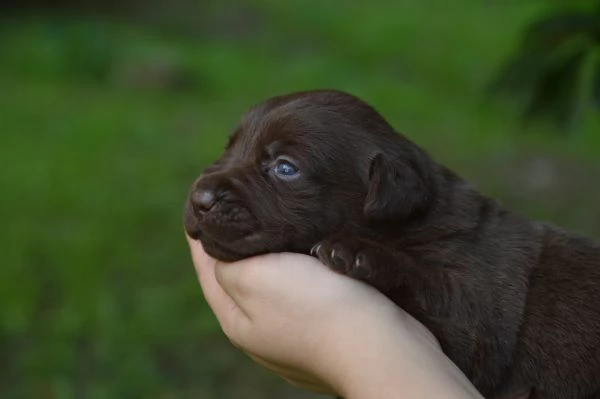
[285, 168]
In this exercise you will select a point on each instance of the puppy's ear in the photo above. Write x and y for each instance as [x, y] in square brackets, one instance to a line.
[396, 190]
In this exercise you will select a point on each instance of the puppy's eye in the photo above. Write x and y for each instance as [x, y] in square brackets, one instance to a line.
[285, 169]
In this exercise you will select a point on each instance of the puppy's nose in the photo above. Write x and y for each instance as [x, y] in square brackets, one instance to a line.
[203, 200]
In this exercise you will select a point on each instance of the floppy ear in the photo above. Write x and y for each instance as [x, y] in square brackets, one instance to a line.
[396, 191]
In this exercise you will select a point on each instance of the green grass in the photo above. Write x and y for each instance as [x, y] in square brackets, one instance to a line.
[97, 294]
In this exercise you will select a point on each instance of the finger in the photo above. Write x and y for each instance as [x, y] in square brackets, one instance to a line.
[266, 279]
[224, 307]
[273, 272]
[294, 376]
[255, 282]
[318, 389]
[245, 278]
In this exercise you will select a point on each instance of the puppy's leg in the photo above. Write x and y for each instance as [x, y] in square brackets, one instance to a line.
[364, 260]
[432, 288]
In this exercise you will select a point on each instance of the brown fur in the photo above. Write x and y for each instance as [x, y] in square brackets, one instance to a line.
[514, 303]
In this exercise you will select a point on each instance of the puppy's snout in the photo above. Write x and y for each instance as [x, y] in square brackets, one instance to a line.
[203, 200]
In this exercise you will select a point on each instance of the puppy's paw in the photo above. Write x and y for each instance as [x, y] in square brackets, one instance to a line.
[351, 256]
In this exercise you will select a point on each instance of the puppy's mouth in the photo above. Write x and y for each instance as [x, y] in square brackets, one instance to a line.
[230, 251]
[225, 240]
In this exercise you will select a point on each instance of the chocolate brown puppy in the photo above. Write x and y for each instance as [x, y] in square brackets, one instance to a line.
[514, 303]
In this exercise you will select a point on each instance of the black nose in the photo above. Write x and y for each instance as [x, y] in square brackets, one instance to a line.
[203, 200]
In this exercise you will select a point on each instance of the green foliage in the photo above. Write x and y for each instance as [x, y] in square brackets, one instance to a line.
[104, 126]
[555, 70]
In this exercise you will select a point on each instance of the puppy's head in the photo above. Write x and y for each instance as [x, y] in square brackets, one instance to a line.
[301, 167]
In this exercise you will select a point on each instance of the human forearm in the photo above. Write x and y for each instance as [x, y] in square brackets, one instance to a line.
[396, 358]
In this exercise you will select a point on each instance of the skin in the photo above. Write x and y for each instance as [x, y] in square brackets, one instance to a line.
[323, 331]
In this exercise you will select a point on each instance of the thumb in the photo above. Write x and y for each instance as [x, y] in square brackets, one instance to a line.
[224, 307]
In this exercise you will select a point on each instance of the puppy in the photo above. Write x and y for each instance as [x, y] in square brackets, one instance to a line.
[514, 303]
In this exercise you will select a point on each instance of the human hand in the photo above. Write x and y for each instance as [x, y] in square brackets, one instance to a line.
[321, 330]
[279, 308]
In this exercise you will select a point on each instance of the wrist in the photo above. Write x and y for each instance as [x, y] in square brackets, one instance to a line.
[383, 352]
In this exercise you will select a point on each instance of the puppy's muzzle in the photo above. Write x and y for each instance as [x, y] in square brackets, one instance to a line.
[217, 210]
[213, 193]
[203, 200]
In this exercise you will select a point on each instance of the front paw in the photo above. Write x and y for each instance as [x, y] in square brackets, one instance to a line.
[351, 256]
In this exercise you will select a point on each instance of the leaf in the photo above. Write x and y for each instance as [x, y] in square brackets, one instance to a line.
[596, 85]
[545, 76]
[556, 97]
[552, 30]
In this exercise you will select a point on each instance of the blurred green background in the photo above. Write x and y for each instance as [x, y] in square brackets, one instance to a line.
[109, 112]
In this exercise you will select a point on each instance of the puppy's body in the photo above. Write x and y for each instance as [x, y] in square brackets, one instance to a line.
[514, 303]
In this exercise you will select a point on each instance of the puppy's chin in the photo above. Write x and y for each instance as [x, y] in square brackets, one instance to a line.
[221, 253]
[233, 250]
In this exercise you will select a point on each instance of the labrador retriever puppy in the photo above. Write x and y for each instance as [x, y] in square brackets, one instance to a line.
[513, 302]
